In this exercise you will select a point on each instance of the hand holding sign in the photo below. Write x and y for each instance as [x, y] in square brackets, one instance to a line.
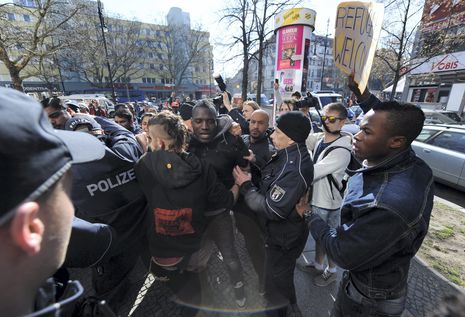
[358, 25]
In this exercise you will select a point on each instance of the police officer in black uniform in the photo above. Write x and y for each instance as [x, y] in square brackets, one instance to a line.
[285, 179]
[106, 191]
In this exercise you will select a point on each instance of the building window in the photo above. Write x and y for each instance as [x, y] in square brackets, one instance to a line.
[144, 80]
[150, 55]
[161, 67]
[11, 17]
[152, 66]
[27, 18]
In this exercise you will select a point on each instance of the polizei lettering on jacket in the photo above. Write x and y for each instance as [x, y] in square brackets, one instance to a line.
[112, 182]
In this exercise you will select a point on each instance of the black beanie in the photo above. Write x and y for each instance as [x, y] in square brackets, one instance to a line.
[295, 125]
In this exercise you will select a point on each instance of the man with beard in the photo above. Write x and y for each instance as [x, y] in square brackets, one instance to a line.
[249, 224]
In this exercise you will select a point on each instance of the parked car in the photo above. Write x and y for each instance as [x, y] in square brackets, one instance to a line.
[357, 110]
[263, 100]
[325, 97]
[453, 115]
[442, 147]
[439, 117]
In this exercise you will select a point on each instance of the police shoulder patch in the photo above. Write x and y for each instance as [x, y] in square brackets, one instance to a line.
[277, 193]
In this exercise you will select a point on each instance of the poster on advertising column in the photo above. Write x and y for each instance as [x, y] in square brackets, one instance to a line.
[358, 26]
[291, 53]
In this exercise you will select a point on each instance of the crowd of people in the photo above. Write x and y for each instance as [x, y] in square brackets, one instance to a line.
[169, 187]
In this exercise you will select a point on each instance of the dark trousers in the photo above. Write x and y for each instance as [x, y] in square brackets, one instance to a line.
[220, 230]
[279, 278]
[248, 224]
[350, 302]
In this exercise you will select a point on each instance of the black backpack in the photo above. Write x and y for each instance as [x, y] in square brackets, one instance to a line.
[354, 165]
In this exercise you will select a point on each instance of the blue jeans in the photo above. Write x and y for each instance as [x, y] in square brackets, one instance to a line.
[350, 302]
[331, 216]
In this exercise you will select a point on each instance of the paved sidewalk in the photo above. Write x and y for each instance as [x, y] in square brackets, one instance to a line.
[146, 297]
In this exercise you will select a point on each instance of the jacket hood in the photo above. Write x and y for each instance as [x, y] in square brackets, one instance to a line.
[174, 170]
[224, 123]
[345, 140]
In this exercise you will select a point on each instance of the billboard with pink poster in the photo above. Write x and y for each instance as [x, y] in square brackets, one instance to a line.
[290, 47]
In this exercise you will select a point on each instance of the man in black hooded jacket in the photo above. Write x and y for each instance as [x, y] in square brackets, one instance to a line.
[213, 144]
[180, 190]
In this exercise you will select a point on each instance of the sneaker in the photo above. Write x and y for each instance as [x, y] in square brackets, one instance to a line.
[325, 279]
[239, 294]
[309, 267]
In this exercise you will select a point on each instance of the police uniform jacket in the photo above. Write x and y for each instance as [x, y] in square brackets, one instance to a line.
[106, 191]
[285, 179]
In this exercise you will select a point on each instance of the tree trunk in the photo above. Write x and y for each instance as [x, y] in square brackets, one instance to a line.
[245, 76]
[16, 79]
[394, 86]
[260, 71]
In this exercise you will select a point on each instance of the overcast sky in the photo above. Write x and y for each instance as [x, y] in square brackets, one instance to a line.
[207, 13]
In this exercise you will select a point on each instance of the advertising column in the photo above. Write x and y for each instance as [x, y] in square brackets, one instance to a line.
[293, 30]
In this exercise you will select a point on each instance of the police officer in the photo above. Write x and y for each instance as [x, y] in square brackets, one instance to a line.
[35, 209]
[106, 191]
[284, 180]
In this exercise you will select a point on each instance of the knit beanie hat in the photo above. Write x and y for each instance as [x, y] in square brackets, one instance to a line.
[295, 125]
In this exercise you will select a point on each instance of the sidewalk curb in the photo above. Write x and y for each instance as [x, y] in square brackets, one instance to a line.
[437, 274]
[448, 203]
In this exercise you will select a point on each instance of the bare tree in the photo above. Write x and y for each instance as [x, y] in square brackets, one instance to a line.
[264, 12]
[240, 13]
[401, 29]
[380, 71]
[125, 51]
[180, 49]
[22, 43]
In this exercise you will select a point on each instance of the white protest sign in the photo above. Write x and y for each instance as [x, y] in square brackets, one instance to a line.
[358, 25]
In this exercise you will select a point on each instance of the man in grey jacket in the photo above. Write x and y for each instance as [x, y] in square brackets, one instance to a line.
[331, 156]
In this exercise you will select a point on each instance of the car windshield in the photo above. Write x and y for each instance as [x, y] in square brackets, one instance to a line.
[438, 118]
[329, 99]
[453, 116]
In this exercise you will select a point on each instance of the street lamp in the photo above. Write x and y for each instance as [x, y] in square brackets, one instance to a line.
[103, 28]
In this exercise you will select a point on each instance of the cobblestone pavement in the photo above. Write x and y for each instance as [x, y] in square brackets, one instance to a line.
[145, 296]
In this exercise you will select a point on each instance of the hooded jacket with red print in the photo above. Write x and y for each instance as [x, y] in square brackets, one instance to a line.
[179, 189]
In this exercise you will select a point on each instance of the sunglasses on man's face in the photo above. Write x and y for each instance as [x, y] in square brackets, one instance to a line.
[55, 114]
[331, 119]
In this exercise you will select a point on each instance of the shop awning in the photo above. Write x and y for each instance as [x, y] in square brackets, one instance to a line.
[399, 88]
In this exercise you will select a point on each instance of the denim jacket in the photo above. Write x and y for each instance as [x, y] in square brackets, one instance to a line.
[384, 219]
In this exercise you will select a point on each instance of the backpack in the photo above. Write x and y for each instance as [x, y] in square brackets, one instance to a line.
[354, 165]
